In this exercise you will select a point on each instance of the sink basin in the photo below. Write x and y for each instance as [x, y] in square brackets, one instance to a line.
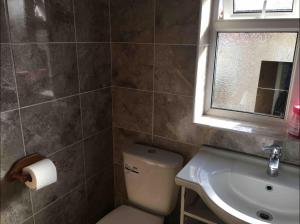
[238, 189]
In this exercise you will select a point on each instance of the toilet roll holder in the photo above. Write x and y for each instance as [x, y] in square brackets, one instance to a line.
[16, 171]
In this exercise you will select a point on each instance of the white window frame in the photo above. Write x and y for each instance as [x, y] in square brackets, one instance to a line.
[209, 27]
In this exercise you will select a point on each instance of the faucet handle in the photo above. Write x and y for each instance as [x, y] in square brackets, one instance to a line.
[274, 149]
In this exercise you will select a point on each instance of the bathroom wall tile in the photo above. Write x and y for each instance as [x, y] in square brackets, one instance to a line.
[96, 111]
[92, 20]
[123, 139]
[133, 65]
[29, 221]
[69, 165]
[132, 109]
[15, 203]
[177, 21]
[8, 86]
[100, 189]
[94, 66]
[71, 209]
[173, 119]
[4, 31]
[186, 150]
[51, 126]
[132, 20]
[120, 185]
[175, 69]
[98, 153]
[45, 71]
[41, 21]
[11, 140]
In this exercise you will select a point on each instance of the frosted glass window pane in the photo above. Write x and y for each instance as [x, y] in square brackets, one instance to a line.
[244, 61]
[257, 5]
[280, 5]
[248, 6]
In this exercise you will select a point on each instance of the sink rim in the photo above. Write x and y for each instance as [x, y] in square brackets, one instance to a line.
[202, 185]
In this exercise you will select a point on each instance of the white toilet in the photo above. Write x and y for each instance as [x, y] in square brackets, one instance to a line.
[150, 182]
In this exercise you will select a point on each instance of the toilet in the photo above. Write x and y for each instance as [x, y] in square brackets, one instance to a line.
[150, 183]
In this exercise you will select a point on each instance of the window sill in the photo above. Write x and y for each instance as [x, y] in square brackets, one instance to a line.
[278, 132]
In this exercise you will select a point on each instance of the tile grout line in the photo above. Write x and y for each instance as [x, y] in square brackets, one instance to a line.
[80, 103]
[101, 42]
[154, 67]
[17, 92]
[111, 92]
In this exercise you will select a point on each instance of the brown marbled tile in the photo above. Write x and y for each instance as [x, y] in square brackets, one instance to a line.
[94, 66]
[69, 165]
[29, 221]
[173, 119]
[11, 140]
[51, 126]
[186, 150]
[177, 21]
[96, 111]
[132, 109]
[71, 209]
[4, 31]
[120, 186]
[15, 203]
[123, 139]
[100, 194]
[98, 153]
[175, 69]
[132, 21]
[8, 86]
[133, 65]
[92, 20]
[45, 71]
[53, 23]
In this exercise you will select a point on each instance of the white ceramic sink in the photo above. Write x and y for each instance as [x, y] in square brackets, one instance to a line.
[239, 190]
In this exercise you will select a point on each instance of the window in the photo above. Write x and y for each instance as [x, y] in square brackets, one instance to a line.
[248, 68]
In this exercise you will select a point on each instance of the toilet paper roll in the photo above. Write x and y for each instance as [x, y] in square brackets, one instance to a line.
[43, 173]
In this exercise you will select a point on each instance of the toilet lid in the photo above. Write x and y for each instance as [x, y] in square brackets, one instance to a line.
[129, 215]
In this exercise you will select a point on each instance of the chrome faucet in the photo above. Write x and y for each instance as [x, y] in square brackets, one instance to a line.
[275, 154]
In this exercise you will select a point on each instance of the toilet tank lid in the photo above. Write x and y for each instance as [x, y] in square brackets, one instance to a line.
[155, 155]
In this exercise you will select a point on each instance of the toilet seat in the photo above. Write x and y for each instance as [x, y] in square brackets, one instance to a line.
[129, 215]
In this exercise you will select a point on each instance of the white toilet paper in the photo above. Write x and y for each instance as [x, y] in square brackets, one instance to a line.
[43, 173]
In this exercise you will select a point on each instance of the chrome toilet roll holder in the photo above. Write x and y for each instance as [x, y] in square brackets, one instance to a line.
[16, 171]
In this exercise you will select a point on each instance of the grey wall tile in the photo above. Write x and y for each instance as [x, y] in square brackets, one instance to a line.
[11, 140]
[8, 86]
[186, 150]
[100, 189]
[133, 65]
[123, 139]
[96, 111]
[175, 69]
[69, 165]
[4, 31]
[94, 66]
[45, 71]
[54, 22]
[120, 185]
[98, 153]
[132, 109]
[92, 20]
[173, 119]
[132, 20]
[15, 203]
[67, 210]
[29, 221]
[51, 126]
[177, 21]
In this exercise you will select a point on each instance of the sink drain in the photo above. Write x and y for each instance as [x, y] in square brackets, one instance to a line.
[264, 215]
